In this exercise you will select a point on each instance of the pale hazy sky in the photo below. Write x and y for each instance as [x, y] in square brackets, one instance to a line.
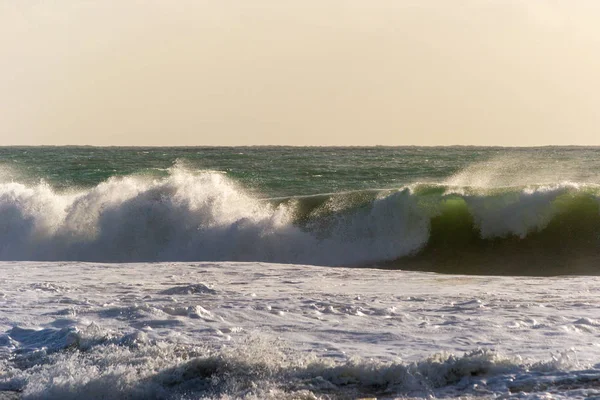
[301, 72]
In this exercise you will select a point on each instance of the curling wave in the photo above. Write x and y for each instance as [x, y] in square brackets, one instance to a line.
[206, 216]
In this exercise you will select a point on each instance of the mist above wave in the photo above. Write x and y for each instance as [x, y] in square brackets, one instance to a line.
[525, 169]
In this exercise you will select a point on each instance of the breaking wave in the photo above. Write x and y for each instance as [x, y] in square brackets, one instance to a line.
[205, 216]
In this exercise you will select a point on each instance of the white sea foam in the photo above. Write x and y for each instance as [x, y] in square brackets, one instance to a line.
[517, 213]
[252, 331]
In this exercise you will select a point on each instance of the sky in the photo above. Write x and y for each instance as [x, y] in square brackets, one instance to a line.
[291, 72]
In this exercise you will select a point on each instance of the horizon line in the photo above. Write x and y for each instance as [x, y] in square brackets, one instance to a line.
[302, 146]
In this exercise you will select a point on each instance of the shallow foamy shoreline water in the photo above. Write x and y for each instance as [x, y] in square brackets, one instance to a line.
[256, 330]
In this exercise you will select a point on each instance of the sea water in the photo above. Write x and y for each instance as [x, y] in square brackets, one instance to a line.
[280, 272]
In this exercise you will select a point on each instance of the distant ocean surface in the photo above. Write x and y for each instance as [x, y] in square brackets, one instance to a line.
[477, 210]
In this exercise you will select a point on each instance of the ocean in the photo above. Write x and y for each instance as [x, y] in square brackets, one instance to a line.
[299, 272]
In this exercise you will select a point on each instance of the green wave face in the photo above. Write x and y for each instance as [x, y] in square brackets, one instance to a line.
[509, 231]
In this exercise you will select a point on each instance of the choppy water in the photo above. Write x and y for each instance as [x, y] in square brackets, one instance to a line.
[475, 210]
[295, 171]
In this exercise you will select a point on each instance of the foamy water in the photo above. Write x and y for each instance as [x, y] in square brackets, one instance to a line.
[255, 330]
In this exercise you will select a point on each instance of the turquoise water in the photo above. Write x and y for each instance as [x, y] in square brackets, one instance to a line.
[449, 209]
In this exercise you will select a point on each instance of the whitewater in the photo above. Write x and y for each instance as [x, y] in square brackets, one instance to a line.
[312, 273]
[252, 330]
